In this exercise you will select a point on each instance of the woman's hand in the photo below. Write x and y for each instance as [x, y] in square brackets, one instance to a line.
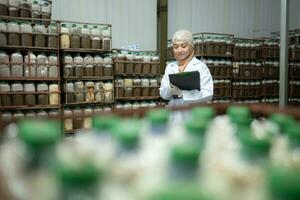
[175, 91]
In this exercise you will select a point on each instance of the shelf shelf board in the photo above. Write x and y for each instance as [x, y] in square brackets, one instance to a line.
[28, 79]
[136, 98]
[22, 48]
[88, 103]
[76, 50]
[90, 78]
[26, 107]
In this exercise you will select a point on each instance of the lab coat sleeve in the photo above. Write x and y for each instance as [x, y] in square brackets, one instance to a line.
[206, 84]
[164, 89]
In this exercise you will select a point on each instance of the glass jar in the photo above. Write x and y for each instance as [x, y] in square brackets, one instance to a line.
[39, 37]
[4, 65]
[75, 38]
[54, 94]
[96, 38]
[25, 9]
[4, 7]
[154, 88]
[52, 41]
[137, 67]
[29, 88]
[64, 38]
[31, 115]
[146, 65]
[42, 66]
[128, 87]
[106, 40]
[79, 91]
[43, 98]
[120, 87]
[99, 93]
[98, 66]
[107, 71]
[26, 34]
[53, 66]
[70, 96]
[46, 10]
[155, 65]
[78, 118]
[108, 92]
[68, 122]
[36, 10]
[16, 64]
[85, 37]
[5, 98]
[17, 98]
[145, 87]
[119, 64]
[129, 64]
[30, 65]
[78, 65]
[13, 36]
[137, 90]
[87, 122]
[88, 66]
[13, 8]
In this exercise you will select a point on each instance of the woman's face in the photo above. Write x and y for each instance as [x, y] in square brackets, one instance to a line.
[182, 50]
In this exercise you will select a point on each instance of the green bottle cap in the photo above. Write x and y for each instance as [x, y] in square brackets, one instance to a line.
[39, 133]
[187, 153]
[293, 133]
[196, 127]
[104, 123]
[252, 146]
[158, 116]
[239, 115]
[127, 132]
[203, 113]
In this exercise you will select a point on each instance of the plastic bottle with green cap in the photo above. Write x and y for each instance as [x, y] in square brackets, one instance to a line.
[195, 130]
[253, 148]
[293, 133]
[103, 125]
[127, 134]
[39, 137]
[184, 161]
[79, 178]
[284, 182]
[158, 120]
[283, 121]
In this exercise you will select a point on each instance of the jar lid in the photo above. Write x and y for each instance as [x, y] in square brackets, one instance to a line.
[127, 132]
[239, 115]
[187, 153]
[206, 113]
[105, 123]
[282, 120]
[196, 126]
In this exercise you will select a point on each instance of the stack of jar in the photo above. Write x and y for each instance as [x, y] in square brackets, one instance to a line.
[247, 70]
[246, 49]
[246, 89]
[294, 52]
[213, 45]
[271, 100]
[40, 66]
[10, 116]
[294, 89]
[78, 118]
[221, 69]
[270, 49]
[29, 94]
[77, 36]
[137, 64]
[136, 87]
[89, 92]
[15, 33]
[87, 66]
[25, 8]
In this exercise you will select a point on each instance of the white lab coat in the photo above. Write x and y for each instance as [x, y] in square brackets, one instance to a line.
[193, 96]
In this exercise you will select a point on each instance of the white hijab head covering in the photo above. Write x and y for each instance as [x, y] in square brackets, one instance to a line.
[183, 36]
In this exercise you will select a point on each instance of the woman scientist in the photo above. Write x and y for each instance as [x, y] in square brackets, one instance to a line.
[183, 49]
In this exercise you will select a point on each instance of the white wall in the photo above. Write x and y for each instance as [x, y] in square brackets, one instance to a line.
[243, 18]
[133, 21]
